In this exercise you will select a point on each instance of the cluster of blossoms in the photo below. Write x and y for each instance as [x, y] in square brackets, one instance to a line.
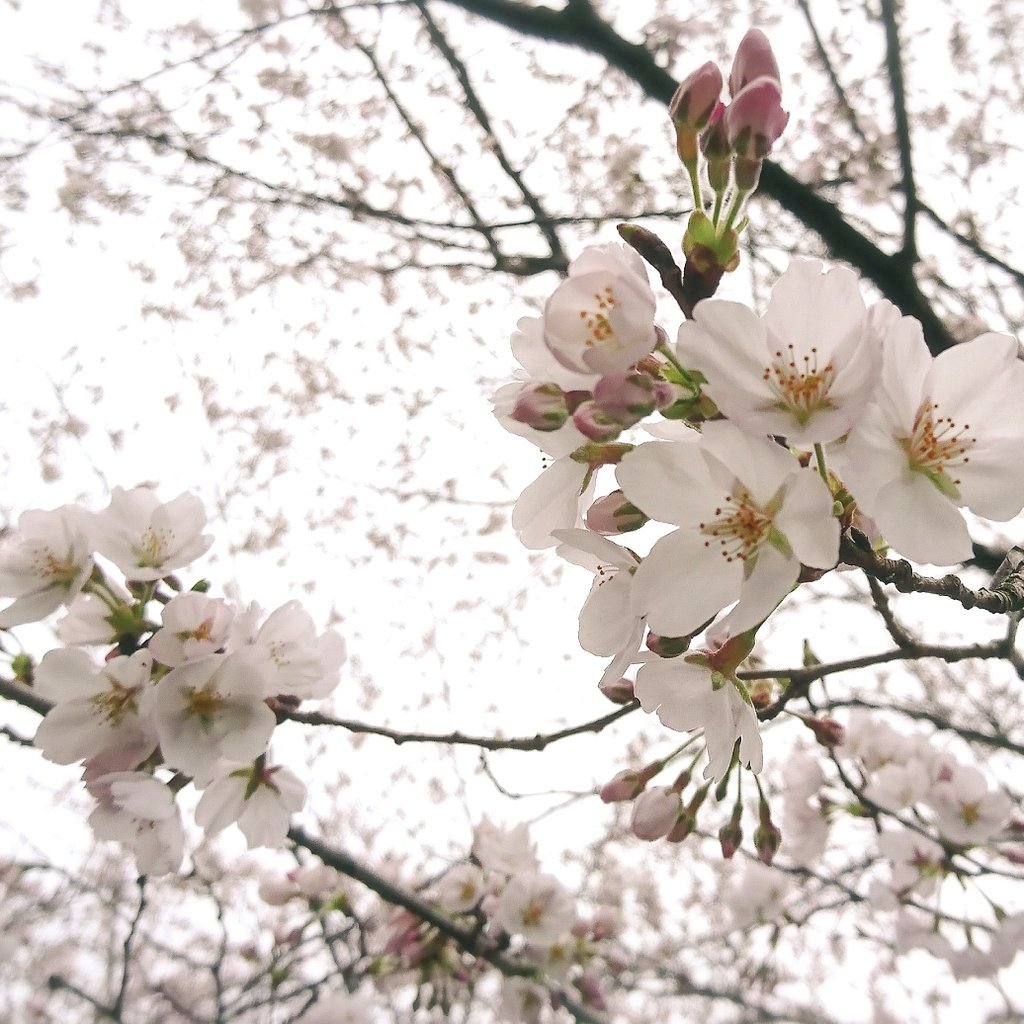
[191, 694]
[500, 896]
[776, 433]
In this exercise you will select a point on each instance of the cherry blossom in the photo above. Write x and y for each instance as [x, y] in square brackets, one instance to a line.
[601, 318]
[508, 851]
[966, 811]
[944, 433]
[95, 709]
[212, 708]
[693, 692]
[194, 625]
[140, 811]
[295, 660]
[461, 888]
[805, 370]
[260, 797]
[45, 564]
[91, 621]
[748, 516]
[535, 906]
[148, 540]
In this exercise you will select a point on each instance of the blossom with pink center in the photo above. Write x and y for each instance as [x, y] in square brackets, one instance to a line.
[943, 433]
[212, 708]
[916, 862]
[747, 515]
[95, 709]
[805, 370]
[194, 626]
[147, 539]
[601, 318]
[261, 798]
[45, 564]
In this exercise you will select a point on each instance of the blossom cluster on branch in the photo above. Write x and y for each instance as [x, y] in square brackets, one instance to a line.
[190, 687]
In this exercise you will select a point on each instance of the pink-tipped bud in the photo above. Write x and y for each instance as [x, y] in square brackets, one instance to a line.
[541, 406]
[754, 59]
[730, 836]
[618, 691]
[827, 731]
[606, 922]
[696, 98]
[614, 514]
[626, 397]
[626, 785]
[767, 840]
[590, 990]
[591, 422]
[684, 825]
[753, 123]
[654, 813]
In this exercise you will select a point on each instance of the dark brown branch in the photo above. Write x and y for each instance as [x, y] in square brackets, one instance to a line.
[537, 742]
[894, 66]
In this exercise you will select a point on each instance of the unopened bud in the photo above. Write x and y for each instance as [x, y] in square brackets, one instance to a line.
[767, 840]
[614, 514]
[827, 731]
[625, 397]
[654, 813]
[626, 785]
[591, 422]
[541, 406]
[730, 836]
[753, 123]
[590, 990]
[684, 825]
[696, 97]
[754, 59]
[714, 144]
[618, 691]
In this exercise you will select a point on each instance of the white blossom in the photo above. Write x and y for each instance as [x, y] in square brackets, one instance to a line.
[45, 564]
[147, 539]
[193, 626]
[535, 906]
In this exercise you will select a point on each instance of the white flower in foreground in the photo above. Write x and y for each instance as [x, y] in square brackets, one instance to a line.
[804, 371]
[944, 433]
[295, 660]
[700, 691]
[194, 626]
[508, 851]
[554, 501]
[212, 708]
[148, 540]
[537, 907]
[95, 709]
[748, 516]
[601, 318]
[45, 563]
[261, 798]
[141, 812]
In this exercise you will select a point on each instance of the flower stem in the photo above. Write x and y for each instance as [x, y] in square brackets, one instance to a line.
[819, 457]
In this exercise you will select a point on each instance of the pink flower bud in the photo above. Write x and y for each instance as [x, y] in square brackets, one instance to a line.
[606, 923]
[754, 59]
[767, 840]
[730, 836]
[613, 514]
[654, 813]
[625, 785]
[827, 731]
[541, 406]
[754, 121]
[591, 422]
[625, 397]
[681, 829]
[696, 98]
[618, 691]
[590, 989]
